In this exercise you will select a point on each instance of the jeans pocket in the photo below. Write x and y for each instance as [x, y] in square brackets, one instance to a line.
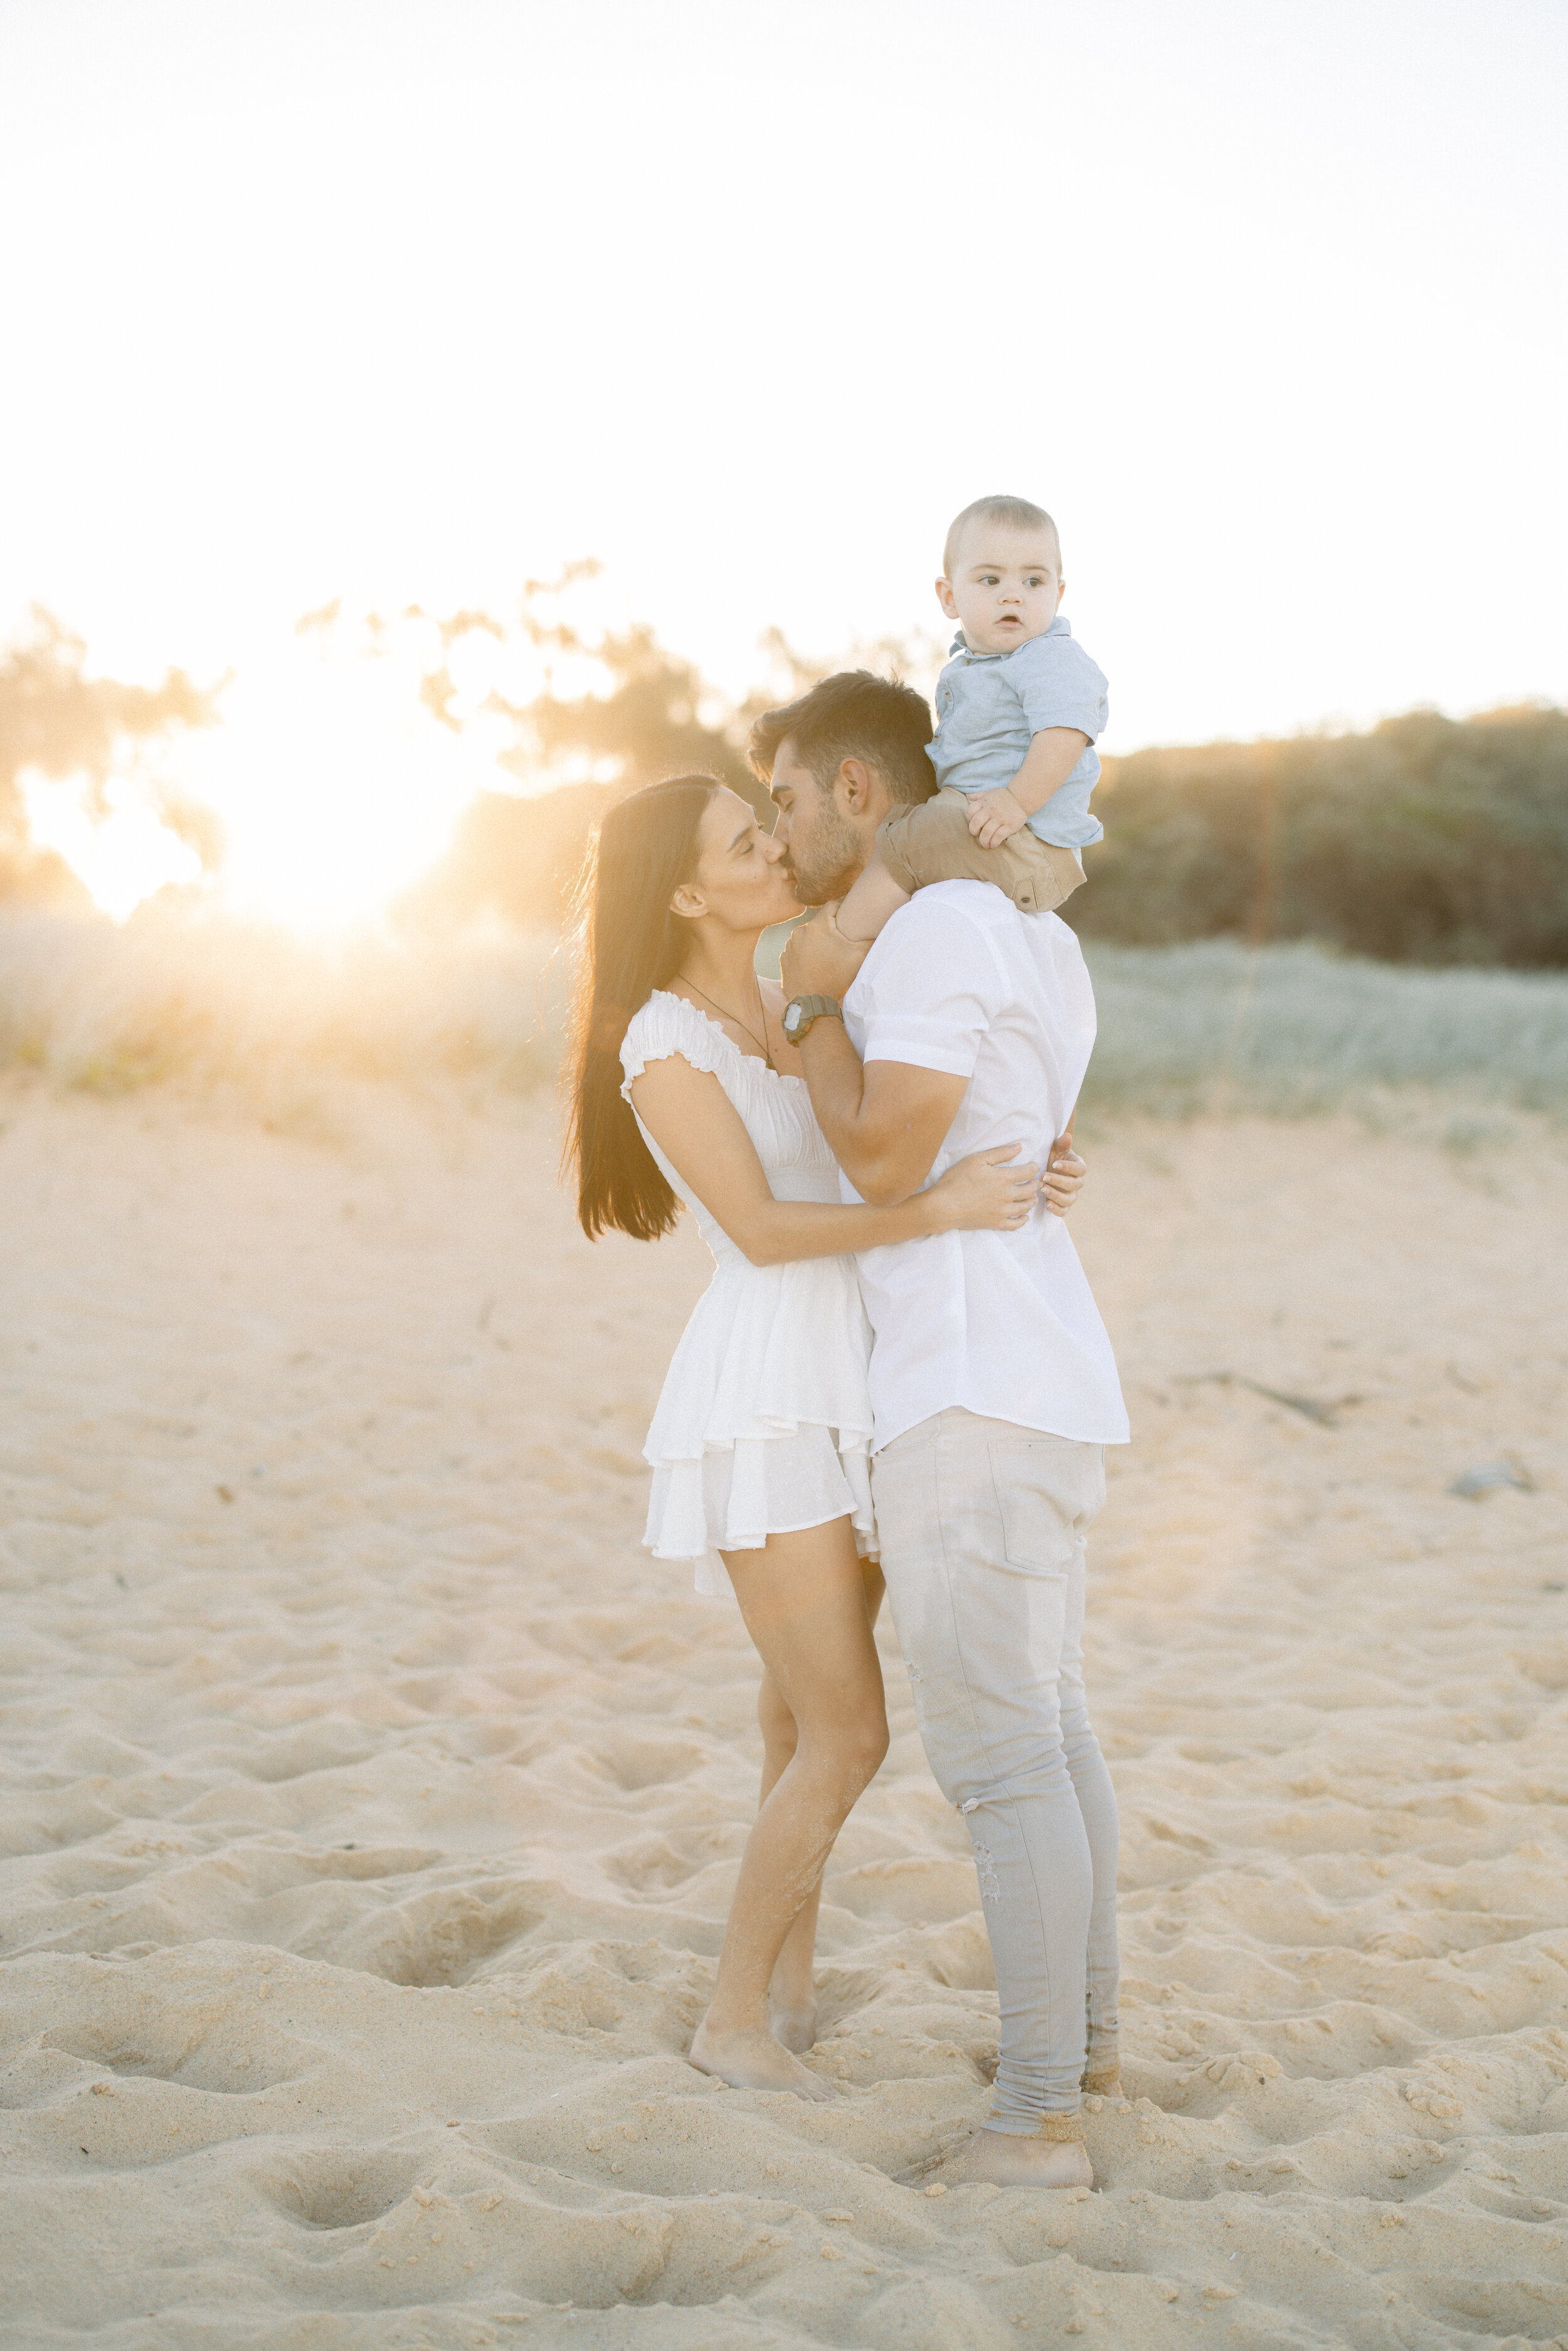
[1040, 1528]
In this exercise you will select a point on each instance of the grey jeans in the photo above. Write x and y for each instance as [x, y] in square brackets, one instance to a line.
[982, 1526]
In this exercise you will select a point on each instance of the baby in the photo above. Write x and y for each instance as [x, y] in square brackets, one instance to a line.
[1017, 712]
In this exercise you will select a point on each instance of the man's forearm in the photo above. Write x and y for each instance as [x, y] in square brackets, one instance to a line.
[885, 1127]
[836, 1083]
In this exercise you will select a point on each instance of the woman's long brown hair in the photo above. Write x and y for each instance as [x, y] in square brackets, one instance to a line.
[630, 944]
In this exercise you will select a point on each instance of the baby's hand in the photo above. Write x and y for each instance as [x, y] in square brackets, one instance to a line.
[994, 817]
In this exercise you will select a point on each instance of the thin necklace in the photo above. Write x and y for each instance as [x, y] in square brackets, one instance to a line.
[740, 1023]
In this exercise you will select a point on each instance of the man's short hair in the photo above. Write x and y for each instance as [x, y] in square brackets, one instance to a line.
[853, 715]
[1013, 514]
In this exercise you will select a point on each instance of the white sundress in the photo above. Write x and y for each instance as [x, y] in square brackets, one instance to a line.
[764, 1422]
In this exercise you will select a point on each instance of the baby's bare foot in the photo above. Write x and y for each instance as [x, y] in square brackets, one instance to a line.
[794, 2026]
[865, 921]
[752, 2060]
[1009, 2162]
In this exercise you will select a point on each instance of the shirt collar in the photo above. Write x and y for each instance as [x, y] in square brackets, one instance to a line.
[1060, 627]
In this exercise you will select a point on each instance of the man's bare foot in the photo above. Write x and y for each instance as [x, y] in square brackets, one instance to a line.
[1009, 2162]
[755, 2061]
[794, 2026]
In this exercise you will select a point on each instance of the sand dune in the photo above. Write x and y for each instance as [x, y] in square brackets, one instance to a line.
[372, 1802]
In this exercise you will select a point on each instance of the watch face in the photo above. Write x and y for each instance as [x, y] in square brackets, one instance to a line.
[792, 1021]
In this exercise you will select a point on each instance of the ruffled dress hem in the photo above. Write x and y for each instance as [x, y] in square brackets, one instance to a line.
[736, 1494]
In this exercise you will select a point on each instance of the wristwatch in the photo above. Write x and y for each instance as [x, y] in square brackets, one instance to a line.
[801, 1010]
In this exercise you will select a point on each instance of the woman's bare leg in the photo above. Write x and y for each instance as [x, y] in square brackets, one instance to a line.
[791, 2004]
[792, 1995]
[805, 1607]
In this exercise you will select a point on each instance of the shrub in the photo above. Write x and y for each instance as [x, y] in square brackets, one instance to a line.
[1291, 1030]
[1428, 840]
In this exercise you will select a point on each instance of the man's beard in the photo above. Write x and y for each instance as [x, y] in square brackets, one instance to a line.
[834, 861]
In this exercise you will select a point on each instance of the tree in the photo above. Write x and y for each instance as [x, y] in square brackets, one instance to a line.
[518, 854]
[1427, 840]
[60, 723]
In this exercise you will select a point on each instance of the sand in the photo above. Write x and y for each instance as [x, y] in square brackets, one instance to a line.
[372, 1802]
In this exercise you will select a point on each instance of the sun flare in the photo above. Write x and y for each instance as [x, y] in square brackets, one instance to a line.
[334, 792]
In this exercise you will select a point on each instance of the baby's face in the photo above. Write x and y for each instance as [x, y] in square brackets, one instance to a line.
[1004, 588]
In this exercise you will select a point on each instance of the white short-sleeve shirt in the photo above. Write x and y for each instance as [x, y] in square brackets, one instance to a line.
[1001, 1323]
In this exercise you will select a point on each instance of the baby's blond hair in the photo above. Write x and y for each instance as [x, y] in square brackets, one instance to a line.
[1013, 514]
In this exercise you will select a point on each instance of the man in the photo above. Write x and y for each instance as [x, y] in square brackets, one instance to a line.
[966, 1025]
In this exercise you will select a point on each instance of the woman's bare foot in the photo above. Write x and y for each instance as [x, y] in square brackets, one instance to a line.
[1010, 2162]
[751, 2060]
[794, 2026]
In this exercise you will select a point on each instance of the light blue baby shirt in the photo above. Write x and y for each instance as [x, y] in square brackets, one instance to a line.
[989, 705]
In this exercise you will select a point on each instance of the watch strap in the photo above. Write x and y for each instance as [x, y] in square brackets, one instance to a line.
[807, 1009]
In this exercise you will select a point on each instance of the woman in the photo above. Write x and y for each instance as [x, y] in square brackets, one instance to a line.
[685, 1091]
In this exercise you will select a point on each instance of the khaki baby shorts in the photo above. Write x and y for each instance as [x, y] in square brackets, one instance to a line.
[930, 841]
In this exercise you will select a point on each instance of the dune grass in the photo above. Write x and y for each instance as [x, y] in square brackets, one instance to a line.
[1295, 1030]
[1210, 1028]
[224, 1003]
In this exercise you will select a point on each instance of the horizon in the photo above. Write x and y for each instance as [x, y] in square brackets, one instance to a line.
[342, 711]
[372, 715]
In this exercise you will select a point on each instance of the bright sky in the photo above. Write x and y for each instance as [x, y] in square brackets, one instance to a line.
[410, 299]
